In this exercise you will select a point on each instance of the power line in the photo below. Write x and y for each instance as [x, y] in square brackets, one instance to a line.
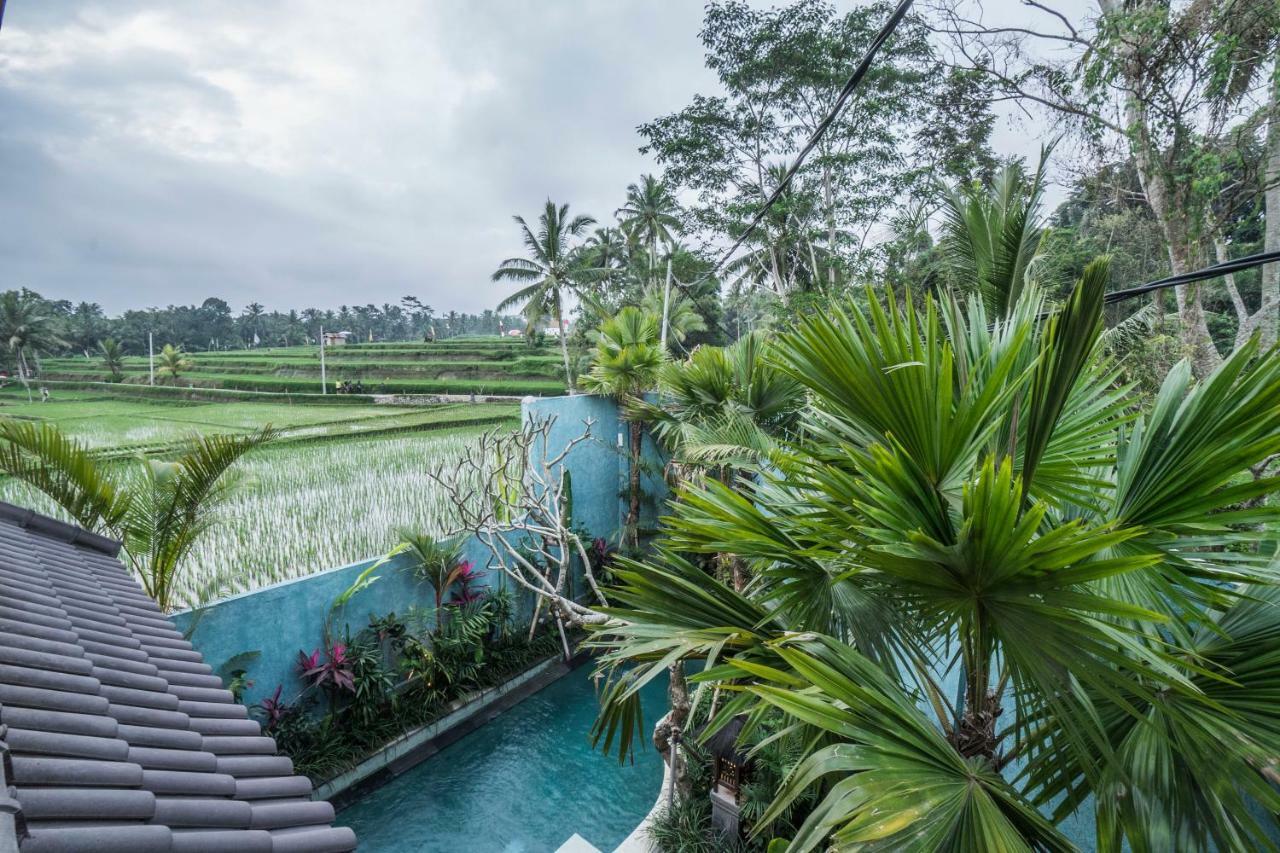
[846, 93]
[1214, 271]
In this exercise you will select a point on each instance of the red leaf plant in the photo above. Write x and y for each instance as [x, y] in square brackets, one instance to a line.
[333, 673]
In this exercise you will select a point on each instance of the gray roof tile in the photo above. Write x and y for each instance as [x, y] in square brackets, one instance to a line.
[122, 739]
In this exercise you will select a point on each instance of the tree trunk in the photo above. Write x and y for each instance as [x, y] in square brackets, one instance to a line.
[23, 373]
[671, 727]
[632, 524]
[1268, 310]
[1169, 210]
[829, 202]
[564, 346]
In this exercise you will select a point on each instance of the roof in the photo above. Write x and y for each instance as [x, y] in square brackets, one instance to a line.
[119, 738]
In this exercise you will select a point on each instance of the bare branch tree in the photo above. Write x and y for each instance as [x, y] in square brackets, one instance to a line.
[511, 494]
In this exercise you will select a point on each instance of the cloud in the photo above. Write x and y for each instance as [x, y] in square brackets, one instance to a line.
[296, 153]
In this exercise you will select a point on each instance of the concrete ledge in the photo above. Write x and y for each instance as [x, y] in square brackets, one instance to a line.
[463, 716]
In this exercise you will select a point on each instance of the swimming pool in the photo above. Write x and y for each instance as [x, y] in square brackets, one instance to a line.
[522, 783]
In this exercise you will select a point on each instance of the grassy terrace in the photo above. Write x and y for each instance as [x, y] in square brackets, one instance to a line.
[466, 366]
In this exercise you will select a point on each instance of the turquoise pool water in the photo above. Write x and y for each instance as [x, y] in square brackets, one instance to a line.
[523, 783]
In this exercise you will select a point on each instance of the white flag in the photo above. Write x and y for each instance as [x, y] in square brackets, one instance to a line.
[255, 339]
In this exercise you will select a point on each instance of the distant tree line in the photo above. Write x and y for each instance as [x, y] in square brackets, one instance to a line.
[33, 324]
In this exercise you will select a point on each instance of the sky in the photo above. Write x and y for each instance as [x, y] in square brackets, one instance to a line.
[303, 154]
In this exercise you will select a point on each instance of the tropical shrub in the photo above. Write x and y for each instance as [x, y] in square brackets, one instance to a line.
[988, 588]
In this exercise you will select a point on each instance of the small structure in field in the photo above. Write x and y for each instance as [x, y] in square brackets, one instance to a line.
[336, 339]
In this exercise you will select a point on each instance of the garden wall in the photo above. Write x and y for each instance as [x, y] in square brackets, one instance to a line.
[280, 620]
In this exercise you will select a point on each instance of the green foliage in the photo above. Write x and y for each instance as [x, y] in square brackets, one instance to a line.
[172, 362]
[405, 675]
[992, 235]
[979, 499]
[158, 509]
[627, 356]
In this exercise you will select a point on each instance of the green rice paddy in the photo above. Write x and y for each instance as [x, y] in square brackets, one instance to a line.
[334, 488]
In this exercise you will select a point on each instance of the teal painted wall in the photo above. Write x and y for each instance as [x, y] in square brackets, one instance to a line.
[599, 467]
[279, 621]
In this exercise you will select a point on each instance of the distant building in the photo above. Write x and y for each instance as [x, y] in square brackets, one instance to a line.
[336, 339]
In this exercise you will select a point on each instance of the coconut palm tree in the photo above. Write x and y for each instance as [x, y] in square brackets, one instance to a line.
[112, 357]
[26, 327]
[173, 362]
[682, 317]
[650, 217]
[157, 508]
[552, 271]
[625, 366]
[988, 589]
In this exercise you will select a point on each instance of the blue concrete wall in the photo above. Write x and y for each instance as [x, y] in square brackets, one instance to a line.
[279, 621]
[599, 467]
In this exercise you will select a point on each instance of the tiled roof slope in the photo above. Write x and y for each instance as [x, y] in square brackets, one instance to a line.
[119, 737]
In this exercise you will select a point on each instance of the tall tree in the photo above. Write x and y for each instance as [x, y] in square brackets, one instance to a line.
[625, 366]
[551, 272]
[780, 72]
[1167, 83]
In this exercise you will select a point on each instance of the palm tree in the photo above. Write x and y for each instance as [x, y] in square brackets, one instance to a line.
[112, 357]
[27, 327]
[650, 217]
[436, 561]
[626, 363]
[992, 235]
[157, 508]
[682, 318]
[724, 407]
[173, 362]
[987, 586]
[551, 271]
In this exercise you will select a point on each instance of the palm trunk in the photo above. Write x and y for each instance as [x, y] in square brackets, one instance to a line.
[1270, 307]
[564, 346]
[631, 527]
[24, 373]
[668, 730]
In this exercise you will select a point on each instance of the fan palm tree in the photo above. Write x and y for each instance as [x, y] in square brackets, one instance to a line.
[112, 357]
[551, 272]
[625, 366]
[173, 362]
[987, 589]
[26, 327]
[723, 407]
[157, 508]
[992, 235]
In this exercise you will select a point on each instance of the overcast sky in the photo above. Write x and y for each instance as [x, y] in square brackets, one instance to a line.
[300, 153]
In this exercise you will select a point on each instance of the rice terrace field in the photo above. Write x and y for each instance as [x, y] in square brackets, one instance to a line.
[343, 478]
[457, 366]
